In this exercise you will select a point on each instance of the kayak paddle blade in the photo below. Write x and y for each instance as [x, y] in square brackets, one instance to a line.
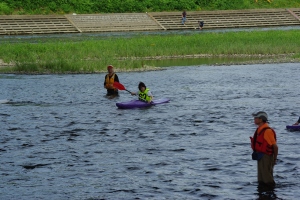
[119, 86]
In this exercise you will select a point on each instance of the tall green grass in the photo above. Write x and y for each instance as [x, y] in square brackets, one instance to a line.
[129, 6]
[89, 56]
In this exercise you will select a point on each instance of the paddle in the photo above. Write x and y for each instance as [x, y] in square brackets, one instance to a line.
[119, 86]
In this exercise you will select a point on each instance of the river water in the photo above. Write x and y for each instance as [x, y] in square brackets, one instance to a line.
[61, 138]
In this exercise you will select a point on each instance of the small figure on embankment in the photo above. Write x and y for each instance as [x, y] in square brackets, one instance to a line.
[201, 24]
[183, 17]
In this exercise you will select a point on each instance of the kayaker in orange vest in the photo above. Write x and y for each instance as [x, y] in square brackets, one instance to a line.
[109, 80]
[265, 149]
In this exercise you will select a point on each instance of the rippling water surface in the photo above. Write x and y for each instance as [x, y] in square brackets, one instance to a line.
[61, 138]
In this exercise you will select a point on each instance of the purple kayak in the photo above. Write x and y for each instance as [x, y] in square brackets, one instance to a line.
[293, 127]
[140, 104]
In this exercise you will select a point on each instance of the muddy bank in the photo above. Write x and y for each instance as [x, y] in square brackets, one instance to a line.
[209, 56]
[4, 64]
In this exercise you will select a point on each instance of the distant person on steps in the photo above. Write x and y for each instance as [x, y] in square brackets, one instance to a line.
[109, 80]
[201, 24]
[183, 18]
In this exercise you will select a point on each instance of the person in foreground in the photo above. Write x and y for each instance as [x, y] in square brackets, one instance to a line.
[144, 93]
[265, 149]
[297, 122]
[109, 80]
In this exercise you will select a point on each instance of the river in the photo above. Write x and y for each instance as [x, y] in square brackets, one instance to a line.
[62, 138]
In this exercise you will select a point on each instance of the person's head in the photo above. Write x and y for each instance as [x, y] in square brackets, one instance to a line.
[142, 86]
[260, 117]
[110, 69]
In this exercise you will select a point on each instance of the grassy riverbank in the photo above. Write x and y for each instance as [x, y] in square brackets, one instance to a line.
[93, 55]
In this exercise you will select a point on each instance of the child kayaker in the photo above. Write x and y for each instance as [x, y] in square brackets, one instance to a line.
[144, 93]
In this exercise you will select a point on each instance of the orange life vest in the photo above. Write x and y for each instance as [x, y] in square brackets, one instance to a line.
[109, 80]
[259, 144]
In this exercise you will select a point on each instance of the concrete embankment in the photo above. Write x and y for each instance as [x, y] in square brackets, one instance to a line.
[154, 21]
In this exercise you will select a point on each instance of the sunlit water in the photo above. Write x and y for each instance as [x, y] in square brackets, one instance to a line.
[61, 138]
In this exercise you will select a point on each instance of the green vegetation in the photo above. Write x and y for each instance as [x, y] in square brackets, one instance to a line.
[34, 7]
[89, 56]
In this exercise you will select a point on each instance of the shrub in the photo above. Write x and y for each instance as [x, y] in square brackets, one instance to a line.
[5, 9]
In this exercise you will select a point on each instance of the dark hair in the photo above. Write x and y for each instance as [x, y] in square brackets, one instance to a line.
[141, 84]
[264, 119]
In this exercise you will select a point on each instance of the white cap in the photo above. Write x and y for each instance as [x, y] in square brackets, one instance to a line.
[261, 114]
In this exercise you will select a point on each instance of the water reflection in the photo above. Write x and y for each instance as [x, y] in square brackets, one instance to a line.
[266, 192]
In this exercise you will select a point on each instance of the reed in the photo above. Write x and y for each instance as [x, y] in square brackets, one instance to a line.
[93, 55]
